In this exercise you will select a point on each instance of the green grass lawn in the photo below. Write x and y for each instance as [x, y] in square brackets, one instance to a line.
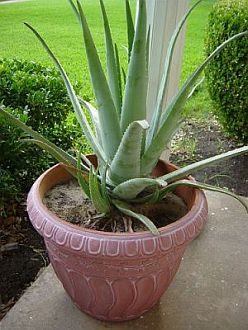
[56, 22]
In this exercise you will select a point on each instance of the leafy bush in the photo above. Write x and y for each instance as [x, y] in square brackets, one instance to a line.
[9, 188]
[37, 96]
[227, 74]
[39, 92]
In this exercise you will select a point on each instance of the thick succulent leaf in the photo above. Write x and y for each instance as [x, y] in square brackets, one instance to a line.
[111, 62]
[172, 114]
[148, 39]
[78, 111]
[131, 188]
[101, 205]
[125, 208]
[126, 162]
[104, 191]
[189, 169]
[86, 162]
[150, 198]
[124, 76]
[52, 151]
[110, 127]
[84, 184]
[154, 197]
[130, 28]
[74, 8]
[118, 68]
[94, 117]
[134, 101]
[196, 87]
[200, 185]
[55, 151]
[165, 78]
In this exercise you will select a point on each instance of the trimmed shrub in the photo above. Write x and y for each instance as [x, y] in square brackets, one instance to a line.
[227, 75]
[37, 96]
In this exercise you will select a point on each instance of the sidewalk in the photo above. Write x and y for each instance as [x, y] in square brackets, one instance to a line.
[209, 292]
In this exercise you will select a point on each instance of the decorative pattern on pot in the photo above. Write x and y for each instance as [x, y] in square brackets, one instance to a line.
[112, 288]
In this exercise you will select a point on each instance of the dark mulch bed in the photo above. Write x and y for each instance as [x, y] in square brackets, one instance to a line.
[209, 140]
[22, 251]
[22, 255]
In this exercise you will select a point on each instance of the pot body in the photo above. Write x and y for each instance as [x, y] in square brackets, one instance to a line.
[113, 276]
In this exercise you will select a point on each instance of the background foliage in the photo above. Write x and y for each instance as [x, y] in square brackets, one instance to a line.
[36, 95]
[227, 75]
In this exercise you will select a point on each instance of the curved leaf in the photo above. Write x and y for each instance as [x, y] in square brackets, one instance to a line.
[131, 188]
[110, 126]
[201, 185]
[134, 101]
[189, 169]
[57, 152]
[111, 62]
[125, 208]
[101, 204]
[118, 68]
[130, 28]
[78, 111]
[94, 117]
[84, 184]
[126, 162]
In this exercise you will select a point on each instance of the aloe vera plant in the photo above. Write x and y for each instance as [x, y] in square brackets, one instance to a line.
[126, 145]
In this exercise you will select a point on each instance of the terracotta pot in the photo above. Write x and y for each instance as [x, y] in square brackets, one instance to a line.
[114, 276]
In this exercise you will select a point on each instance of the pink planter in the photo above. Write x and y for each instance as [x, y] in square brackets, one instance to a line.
[114, 276]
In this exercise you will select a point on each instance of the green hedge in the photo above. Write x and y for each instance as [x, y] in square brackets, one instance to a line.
[37, 96]
[227, 75]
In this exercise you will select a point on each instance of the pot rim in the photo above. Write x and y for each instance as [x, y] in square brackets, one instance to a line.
[35, 198]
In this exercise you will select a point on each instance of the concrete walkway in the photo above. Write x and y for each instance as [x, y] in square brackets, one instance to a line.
[209, 292]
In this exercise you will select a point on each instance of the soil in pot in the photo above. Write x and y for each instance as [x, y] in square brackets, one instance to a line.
[68, 203]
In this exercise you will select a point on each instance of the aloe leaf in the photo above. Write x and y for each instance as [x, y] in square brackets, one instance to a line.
[74, 8]
[131, 188]
[51, 150]
[110, 127]
[154, 197]
[196, 87]
[118, 68]
[111, 62]
[171, 116]
[165, 78]
[124, 76]
[61, 155]
[95, 194]
[85, 160]
[148, 47]
[130, 28]
[126, 163]
[78, 111]
[84, 184]
[104, 192]
[94, 117]
[125, 208]
[200, 185]
[189, 169]
[134, 102]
